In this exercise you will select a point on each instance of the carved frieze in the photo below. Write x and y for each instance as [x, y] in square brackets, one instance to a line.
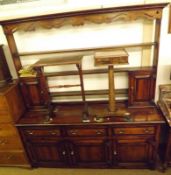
[82, 19]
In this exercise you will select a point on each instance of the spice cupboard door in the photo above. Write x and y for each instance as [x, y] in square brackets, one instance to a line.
[32, 93]
[141, 87]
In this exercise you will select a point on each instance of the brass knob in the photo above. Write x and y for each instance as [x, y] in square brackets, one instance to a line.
[114, 152]
[63, 153]
[72, 153]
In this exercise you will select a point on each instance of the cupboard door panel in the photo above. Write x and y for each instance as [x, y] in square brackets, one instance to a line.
[90, 153]
[32, 93]
[141, 87]
[137, 152]
[47, 154]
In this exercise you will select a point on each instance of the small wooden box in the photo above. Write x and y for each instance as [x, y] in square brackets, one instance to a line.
[110, 57]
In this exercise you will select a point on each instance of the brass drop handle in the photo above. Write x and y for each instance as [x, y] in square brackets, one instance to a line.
[30, 132]
[73, 132]
[146, 130]
[53, 133]
[121, 132]
[99, 132]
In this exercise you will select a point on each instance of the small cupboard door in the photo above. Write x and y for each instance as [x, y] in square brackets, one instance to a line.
[32, 93]
[132, 152]
[141, 87]
[90, 153]
[47, 154]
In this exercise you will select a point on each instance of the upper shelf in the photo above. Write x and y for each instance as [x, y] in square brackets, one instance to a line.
[76, 18]
[89, 50]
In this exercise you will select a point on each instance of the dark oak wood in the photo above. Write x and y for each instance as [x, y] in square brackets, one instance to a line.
[5, 75]
[87, 12]
[11, 103]
[141, 87]
[33, 93]
[67, 142]
[12, 108]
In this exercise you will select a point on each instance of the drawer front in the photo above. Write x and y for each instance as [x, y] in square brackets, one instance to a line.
[86, 132]
[10, 143]
[13, 158]
[7, 130]
[41, 132]
[134, 130]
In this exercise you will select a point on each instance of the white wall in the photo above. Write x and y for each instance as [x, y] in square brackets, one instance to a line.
[86, 36]
[164, 65]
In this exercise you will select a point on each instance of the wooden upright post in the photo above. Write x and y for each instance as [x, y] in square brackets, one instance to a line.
[112, 104]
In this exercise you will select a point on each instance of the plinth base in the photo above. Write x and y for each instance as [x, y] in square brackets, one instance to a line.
[118, 115]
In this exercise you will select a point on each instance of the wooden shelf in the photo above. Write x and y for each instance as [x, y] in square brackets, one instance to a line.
[96, 71]
[89, 50]
[118, 92]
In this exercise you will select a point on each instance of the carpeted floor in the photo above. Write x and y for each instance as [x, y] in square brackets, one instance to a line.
[58, 171]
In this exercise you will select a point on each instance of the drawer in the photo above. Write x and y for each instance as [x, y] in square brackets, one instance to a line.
[86, 132]
[42, 132]
[13, 158]
[134, 130]
[10, 143]
[7, 130]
